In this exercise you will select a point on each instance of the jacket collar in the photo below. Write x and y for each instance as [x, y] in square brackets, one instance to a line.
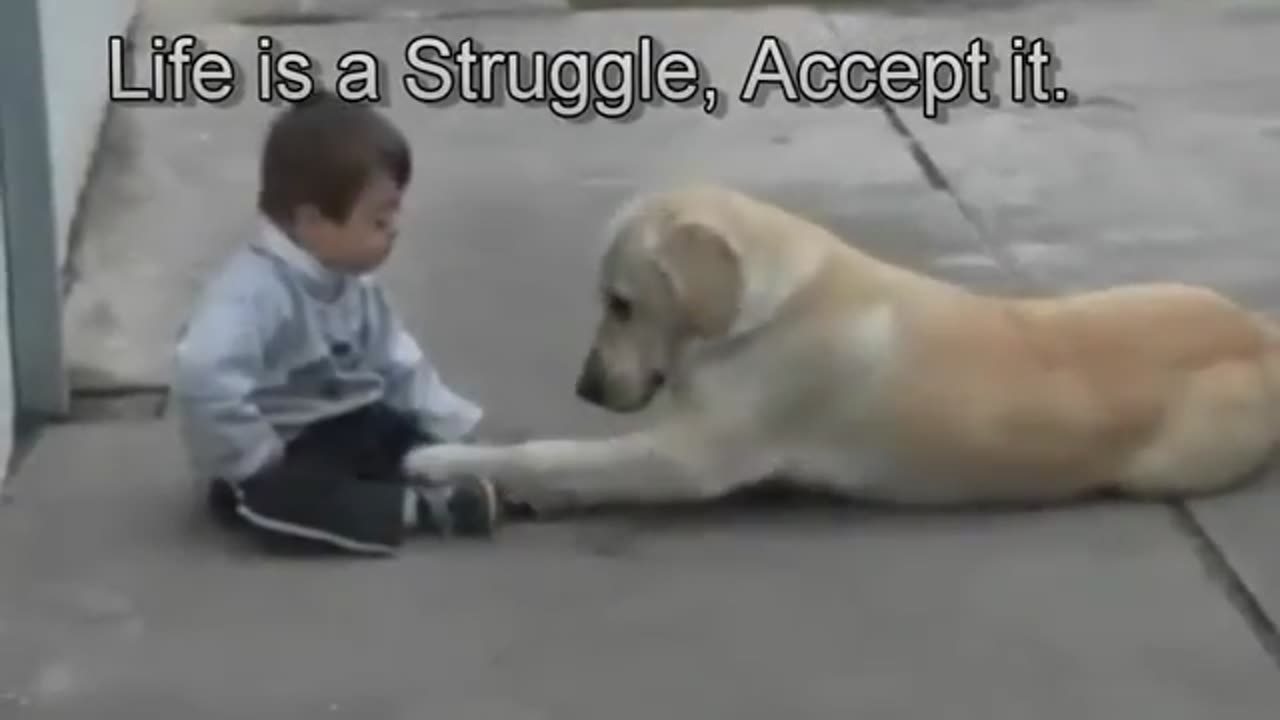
[319, 280]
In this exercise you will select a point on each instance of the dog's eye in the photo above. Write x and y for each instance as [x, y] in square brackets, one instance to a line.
[619, 307]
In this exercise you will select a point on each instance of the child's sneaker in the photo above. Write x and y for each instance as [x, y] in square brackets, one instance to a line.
[468, 507]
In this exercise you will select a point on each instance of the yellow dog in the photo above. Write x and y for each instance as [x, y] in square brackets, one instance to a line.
[783, 351]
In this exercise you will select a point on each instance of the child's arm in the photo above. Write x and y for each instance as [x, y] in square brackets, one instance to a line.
[414, 386]
[219, 362]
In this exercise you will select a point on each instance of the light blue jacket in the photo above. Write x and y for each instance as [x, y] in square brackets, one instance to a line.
[276, 341]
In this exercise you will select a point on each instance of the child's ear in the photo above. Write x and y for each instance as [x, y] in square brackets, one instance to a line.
[307, 215]
[309, 224]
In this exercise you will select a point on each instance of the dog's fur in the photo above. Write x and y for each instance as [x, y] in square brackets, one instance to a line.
[784, 352]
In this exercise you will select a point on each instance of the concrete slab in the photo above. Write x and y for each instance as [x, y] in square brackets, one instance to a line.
[1162, 167]
[1165, 169]
[115, 600]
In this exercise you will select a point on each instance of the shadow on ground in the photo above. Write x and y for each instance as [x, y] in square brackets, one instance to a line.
[776, 501]
[902, 6]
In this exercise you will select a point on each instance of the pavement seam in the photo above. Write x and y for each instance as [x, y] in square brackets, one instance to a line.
[937, 179]
[126, 403]
[1224, 574]
[1027, 279]
[313, 17]
[537, 11]
[1211, 554]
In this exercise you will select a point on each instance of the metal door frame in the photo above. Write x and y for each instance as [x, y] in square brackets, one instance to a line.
[40, 385]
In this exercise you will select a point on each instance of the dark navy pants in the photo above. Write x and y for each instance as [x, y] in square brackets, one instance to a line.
[338, 486]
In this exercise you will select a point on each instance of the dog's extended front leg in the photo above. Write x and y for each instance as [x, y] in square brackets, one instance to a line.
[650, 466]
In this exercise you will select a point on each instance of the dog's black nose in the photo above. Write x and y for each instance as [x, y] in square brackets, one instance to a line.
[589, 387]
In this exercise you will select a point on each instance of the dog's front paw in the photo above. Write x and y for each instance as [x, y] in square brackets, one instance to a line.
[518, 480]
[443, 462]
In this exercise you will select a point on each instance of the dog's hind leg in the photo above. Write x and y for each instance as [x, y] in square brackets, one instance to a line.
[1216, 435]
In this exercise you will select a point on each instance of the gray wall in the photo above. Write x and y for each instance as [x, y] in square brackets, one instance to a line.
[6, 356]
[73, 34]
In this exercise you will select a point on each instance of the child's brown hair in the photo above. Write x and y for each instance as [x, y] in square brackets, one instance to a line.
[324, 151]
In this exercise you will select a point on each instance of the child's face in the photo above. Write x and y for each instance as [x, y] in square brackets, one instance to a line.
[364, 241]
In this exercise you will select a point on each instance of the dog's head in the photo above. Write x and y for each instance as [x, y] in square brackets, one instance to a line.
[680, 267]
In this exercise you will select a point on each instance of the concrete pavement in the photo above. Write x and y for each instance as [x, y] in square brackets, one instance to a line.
[115, 598]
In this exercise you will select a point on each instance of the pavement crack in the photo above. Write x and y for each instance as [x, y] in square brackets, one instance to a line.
[304, 17]
[520, 13]
[938, 181]
[125, 402]
[1223, 573]
[299, 17]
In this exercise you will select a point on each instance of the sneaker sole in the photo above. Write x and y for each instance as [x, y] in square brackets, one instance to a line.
[479, 505]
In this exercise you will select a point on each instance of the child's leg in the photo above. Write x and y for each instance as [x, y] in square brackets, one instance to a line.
[362, 441]
[390, 435]
[337, 489]
[467, 506]
[398, 434]
[311, 504]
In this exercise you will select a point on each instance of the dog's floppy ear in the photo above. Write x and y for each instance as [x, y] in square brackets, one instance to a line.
[705, 273]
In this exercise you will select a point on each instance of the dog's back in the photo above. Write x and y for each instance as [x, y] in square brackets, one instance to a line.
[1155, 389]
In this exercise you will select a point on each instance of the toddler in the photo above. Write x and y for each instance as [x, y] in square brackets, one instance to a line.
[297, 387]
